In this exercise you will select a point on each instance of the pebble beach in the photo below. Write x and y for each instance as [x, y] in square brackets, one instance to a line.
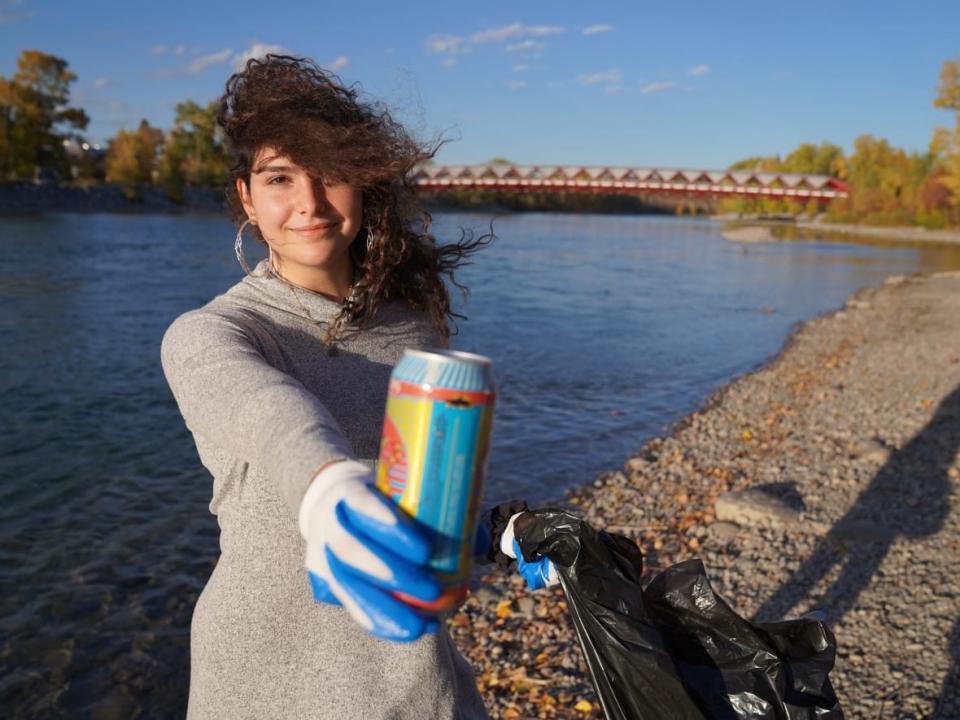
[827, 480]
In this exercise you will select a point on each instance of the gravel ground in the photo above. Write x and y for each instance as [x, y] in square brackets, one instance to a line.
[825, 480]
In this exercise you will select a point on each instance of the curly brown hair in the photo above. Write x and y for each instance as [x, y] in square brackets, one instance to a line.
[306, 113]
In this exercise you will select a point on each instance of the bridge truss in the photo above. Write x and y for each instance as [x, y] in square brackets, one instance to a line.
[629, 180]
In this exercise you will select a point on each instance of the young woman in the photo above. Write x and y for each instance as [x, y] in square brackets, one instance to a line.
[282, 380]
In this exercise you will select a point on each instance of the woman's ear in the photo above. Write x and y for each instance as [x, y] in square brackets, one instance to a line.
[243, 192]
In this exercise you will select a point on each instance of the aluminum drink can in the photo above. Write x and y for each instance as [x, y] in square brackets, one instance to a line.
[433, 456]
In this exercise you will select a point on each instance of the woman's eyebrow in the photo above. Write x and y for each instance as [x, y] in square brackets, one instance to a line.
[273, 168]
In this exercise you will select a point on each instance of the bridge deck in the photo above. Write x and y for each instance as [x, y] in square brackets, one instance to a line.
[599, 180]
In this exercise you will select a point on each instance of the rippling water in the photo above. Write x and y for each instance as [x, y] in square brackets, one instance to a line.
[603, 330]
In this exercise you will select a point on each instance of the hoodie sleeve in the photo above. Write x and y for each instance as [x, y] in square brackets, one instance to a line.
[231, 396]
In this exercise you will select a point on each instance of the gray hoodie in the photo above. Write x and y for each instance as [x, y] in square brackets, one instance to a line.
[268, 406]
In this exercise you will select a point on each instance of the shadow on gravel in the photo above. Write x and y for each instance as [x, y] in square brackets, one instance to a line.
[948, 706]
[908, 497]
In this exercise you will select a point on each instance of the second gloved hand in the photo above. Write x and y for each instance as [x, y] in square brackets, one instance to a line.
[539, 573]
[361, 547]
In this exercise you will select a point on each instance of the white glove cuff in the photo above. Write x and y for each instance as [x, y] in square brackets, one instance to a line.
[335, 475]
[506, 540]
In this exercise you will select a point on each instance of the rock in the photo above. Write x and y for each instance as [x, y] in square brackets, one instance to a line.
[485, 595]
[872, 451]
[635, 464]
[723, 531]
[752, 507]
[525, 605]
[751, 234]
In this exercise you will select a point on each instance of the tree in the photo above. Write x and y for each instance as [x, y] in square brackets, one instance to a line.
[194, 153]
[945, 145]
[758, 163]
[132, 158]
[948, 94]
[35, 117]
[823, 159]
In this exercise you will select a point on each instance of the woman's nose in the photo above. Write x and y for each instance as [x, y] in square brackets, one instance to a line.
[313, 197]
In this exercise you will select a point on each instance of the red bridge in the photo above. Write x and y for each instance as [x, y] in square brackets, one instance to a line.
[629, 180]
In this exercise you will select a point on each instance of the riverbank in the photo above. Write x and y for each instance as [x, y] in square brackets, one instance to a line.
[23, 197]
[828, 479]
[763, 231]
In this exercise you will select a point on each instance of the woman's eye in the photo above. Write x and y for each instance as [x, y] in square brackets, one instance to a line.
[278, 180]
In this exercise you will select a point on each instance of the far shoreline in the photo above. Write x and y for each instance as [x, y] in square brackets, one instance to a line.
[24, 198]
[752, 230]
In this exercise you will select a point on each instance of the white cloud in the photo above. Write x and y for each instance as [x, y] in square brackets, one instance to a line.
[449, 62]
[161, 49]
[597, 29]
[516, 84]
[541, 30]
[446, 44]
[657, 87]
[520, 67]
[257, 50]
[698, 70]
[102, 82]
[613, 89]
[497, 34]
[610, 77]
[526, 46]
[205, 61]
[202, 63]
[339, 63]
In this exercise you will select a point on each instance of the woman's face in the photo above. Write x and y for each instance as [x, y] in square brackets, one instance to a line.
[308, 225]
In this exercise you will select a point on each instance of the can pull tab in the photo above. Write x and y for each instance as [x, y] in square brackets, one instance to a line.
[459, 402]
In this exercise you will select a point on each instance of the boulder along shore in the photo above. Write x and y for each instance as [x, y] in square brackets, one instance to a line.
[826, 480]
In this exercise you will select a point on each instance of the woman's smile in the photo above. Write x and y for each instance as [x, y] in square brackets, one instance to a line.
[317, 229]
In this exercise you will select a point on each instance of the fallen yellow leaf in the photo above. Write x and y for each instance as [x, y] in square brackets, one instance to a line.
[510, 713]
[747, 435]
[583, 706]
[503, 609]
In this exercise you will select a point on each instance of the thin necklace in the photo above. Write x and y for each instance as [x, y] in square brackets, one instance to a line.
[339, 323]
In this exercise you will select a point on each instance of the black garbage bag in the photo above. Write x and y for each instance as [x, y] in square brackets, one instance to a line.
[675, 650]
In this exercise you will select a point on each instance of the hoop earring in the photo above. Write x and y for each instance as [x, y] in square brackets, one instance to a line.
[238, 248]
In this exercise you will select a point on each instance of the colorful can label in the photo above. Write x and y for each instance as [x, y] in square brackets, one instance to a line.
[433, 453]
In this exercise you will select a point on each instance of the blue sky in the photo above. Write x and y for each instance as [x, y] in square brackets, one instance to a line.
[692, 84]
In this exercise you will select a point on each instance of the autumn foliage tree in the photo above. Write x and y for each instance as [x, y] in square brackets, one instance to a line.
[36, 117]
[132, 159]
[194, 153]
[946, 142]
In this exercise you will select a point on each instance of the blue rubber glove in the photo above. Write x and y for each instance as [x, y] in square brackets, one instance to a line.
[540, 573]
[360, 548]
